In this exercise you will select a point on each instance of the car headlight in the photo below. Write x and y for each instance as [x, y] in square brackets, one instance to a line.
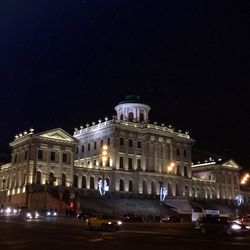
[48, 213]
[37, 214]
[119, 222]
[55, 214]
[8, 210]
[236, 227]
[28, 215]
[109, 222]
[247, 227]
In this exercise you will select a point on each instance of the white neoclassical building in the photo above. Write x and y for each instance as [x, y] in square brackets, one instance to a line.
[134, 156]
[140, 156]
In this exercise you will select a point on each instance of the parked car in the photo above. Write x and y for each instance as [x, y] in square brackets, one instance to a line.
[171, 219]
[220, 225]
[104, 222]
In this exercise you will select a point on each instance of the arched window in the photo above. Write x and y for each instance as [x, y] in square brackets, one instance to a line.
[170, 192]
[141, 118]
[63, 180]
[121, 185]
[153, 188]
[38, 177]
[130, 116]
[75, 182]
[144, 187]
[84, 182]
[51, 178]
[92, 182]
[121, 117]
[177, 190]
[130, 186]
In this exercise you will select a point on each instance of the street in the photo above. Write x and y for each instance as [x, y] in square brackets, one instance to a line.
[61, 233]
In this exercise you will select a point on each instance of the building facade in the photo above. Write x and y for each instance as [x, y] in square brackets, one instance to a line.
[133, 156]
[140, 156]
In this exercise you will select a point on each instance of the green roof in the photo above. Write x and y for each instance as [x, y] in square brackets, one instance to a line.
[131, 99]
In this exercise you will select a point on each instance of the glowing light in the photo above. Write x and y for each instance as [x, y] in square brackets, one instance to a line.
[105, 147]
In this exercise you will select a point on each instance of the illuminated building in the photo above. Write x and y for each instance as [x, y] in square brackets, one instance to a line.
[135, 157]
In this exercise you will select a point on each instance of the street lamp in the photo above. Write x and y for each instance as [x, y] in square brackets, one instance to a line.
[170, 167]
[245, 179]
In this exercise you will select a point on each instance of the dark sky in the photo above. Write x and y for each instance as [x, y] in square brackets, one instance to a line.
[66, 63]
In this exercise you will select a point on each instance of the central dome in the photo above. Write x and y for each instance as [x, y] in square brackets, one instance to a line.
[132, 109]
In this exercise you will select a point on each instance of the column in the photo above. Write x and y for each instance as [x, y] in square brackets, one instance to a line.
[60, 168]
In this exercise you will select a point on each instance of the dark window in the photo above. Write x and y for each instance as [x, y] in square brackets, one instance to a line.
[130, 116]
[121, 185]
[75, 183]
[92, 182]
[82, 148]
[88, 146]
[141, 117]
[84, 181]
[38, 177]
[121, 162]
[138, 144]
[77, 150]
[121, 141]
[178, 151]
[25, 155]
[101, 143]
[108, 162]
[130, 143]
[185, 153]
[139, 164]
[121, 117]
[64, 157]
[40, 154]
[130, 186]
[94, 162]
[51, 178]
[108, 142]
[95, 145]
[185, 171]
[63, 180]
[52, 156]
[130, 163]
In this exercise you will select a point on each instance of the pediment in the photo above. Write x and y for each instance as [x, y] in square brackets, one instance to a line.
[231, 164]
[57, 134]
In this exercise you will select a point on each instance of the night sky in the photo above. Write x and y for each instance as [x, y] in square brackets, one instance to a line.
[67, 63]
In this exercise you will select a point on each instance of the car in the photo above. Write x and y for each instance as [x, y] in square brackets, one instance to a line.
[171, 219]
[103, 222]
[246, 220]
[131, 217]
[48, 213]
[220, 225]
[27, 214]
